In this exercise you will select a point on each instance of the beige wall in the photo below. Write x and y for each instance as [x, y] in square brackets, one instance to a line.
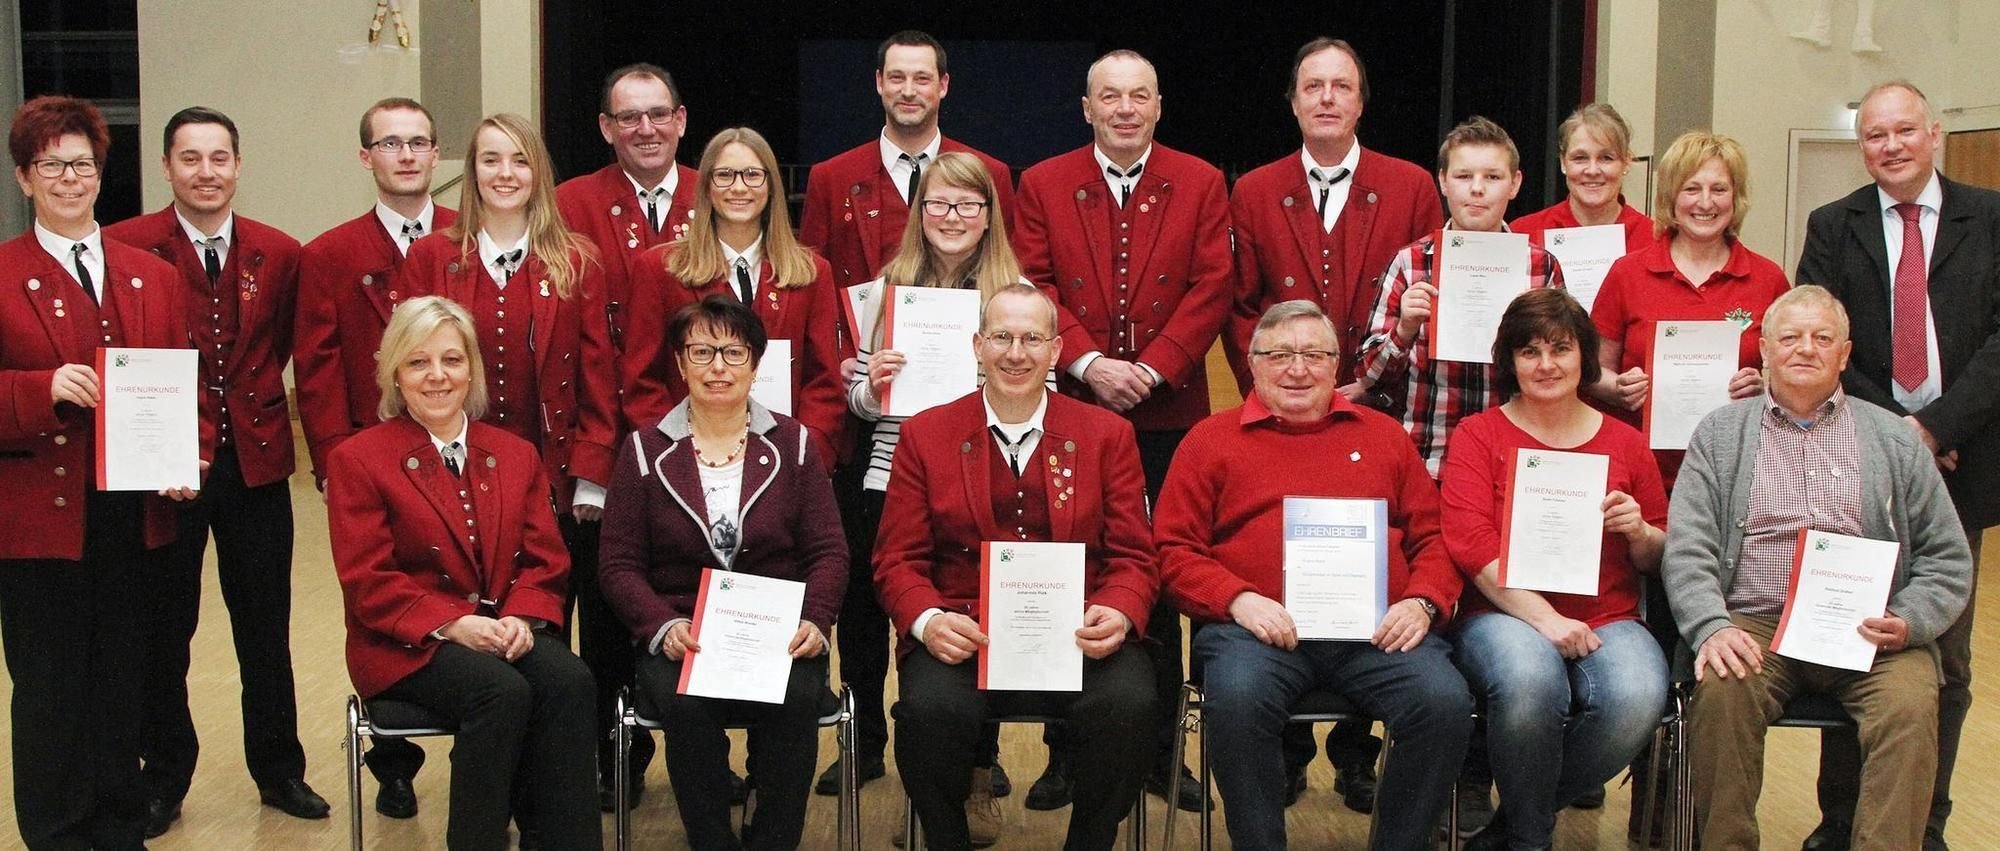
[295, 76]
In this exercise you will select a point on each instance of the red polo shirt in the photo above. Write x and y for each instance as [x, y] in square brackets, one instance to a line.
[1638, 226]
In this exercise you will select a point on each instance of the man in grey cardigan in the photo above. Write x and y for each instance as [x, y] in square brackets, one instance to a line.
[1806, 456]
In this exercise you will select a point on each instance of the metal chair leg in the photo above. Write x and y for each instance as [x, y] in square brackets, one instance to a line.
[1654, 772]
[352, 742]
[1207, 815]
[621, 749]
[913, 831]
[1381, 766]
[1179, 758]
[850, 773]
[1683, 788]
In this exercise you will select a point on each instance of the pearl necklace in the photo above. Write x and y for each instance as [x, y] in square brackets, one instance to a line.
[741, 442]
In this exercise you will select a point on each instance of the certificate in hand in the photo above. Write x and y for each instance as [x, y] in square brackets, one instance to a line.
[1691, 366]
[1030, 606]
[1837, 582]
[1552, 523]
[772, 387]
[148, 419]
[933, 329]
[1585, 254]
[862, 305]
[744, 624]
[1478, 274]
[1336, 566]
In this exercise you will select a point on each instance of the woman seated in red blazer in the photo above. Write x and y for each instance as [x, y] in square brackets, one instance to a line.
[73, 555]
[739, 244]
[722, 482]
[454, 577]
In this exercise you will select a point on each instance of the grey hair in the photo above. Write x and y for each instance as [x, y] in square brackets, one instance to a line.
[1809, 295]
[1923, 102]
[1286, 311]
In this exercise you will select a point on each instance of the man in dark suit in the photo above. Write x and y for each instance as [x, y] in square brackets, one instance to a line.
[1322, 225]
[857, 206]
[241, 280]
[348, 286]
[1131, 240]
[1915, 258]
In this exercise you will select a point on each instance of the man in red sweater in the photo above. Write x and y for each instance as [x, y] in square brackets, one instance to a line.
[1219, 528]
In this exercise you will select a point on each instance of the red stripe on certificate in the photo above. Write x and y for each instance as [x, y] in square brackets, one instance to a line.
[985, 595]
[1791, 590]
[1507, 512]
[888, 323]
[1652, 369]
[103, 398]
[694, 630]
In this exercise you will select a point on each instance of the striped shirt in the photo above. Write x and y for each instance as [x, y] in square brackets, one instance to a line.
[1807, 476]
[1435, 394]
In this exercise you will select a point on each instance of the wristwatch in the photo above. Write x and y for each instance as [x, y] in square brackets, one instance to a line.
[1430, 608]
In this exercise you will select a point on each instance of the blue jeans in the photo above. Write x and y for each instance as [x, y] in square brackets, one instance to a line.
[1558, 727]
[1248, 692]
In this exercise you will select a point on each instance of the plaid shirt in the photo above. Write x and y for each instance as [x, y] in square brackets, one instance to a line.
[1435, 394]
[1807, 477]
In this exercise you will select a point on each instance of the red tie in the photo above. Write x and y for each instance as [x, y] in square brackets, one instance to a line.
[1911, 343]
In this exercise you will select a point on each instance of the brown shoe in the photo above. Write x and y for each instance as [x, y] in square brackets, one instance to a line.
[982, 813]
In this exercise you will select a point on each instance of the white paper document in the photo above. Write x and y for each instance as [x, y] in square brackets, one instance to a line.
[1837, 582]
[1030, 606]
[148, 419]
[1585, 254]
[772, 386]
[1690, 371]
[744, 624]
[933, 329]
[862, 305]
[1336, 566]
[1552, 528]
[1478, 274]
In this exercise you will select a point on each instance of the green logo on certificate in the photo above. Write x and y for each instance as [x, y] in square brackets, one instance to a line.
[726, 583]
[909, 298]
[121, 360]
[1673, 331]
[1006, 555]
[1534, 461]
[1457, 242]
[1558, 239]
[1820, 545]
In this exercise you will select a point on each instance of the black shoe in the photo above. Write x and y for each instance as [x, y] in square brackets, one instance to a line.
[1829, 836]
[1053, 790]
[1493, 838]
[1356, 787]
[1475, 808]
[1591, 800]
[396, 798]
[1934, 839]
[1295, 786]
[739, 789]
[1190, 794]
[294, 798]
[829, 780]
[1002, 784]
[160, 816]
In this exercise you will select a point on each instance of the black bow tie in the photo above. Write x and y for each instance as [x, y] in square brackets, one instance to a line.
[412, 230]
[509, 261]
[1128, 174]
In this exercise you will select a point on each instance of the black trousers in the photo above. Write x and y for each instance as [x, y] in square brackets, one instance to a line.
[605, 646]
[863, 632]
[1163, 627]
[76, 652]
[253, 556]
[522, 724]
[938, 726]
[784, 747]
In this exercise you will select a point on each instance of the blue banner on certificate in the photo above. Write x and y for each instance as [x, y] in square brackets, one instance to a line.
[1336, 566]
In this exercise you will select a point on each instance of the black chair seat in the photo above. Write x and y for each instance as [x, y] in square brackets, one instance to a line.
[389, 717]
[649, 714]
[1323, 702]
[1814, 710]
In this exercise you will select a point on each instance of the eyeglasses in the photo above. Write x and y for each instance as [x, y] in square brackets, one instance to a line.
[1284, 359]
[938, 208]
[723, 178]
[396, 144]
[629, 119]
[701, 354]
[52, 169]
[1003, 341]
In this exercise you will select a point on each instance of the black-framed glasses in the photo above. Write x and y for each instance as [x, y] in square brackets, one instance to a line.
[1003, 341]
[396, 144]
[1285, 358]
[723, 178]
[52, 169]
[938, 208]
[659, 115]
[702, 354]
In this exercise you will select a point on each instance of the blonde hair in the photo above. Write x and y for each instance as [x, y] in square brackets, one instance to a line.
[1599, 118]
[1685, 157]
[414, 322]
[992, 265]
[548, 238]
[697, 256]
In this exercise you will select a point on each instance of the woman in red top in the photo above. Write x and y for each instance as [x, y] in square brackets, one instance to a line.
[1699, 270]
[1573, 684]
[1596, 154]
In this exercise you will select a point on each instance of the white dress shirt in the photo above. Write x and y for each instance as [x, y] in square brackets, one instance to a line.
[62, 249]
[1929, 202]
[751, 257]
[899, 168]
[393, 222]
[490, 251]
[1025, 436]
[226, 233]
[664, 192]
[1336, 200]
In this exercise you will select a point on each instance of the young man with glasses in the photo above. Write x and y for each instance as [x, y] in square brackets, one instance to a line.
[349, 284]
[241, 278]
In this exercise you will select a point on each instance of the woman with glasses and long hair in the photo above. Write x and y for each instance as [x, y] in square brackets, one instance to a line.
[74, 555]
[723, 482]
[739, 244]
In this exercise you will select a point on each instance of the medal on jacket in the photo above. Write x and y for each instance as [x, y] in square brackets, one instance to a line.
[631, 234]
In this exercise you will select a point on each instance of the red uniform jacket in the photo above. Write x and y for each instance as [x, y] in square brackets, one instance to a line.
[605, 209]
[1280, 255]
[855, 214]
[262, 273]
[939, 510]
[47, 452]
[809, 316]
[409, 562]
[655, 540]
[574, 363]
[348, 286]
[1164, 303]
